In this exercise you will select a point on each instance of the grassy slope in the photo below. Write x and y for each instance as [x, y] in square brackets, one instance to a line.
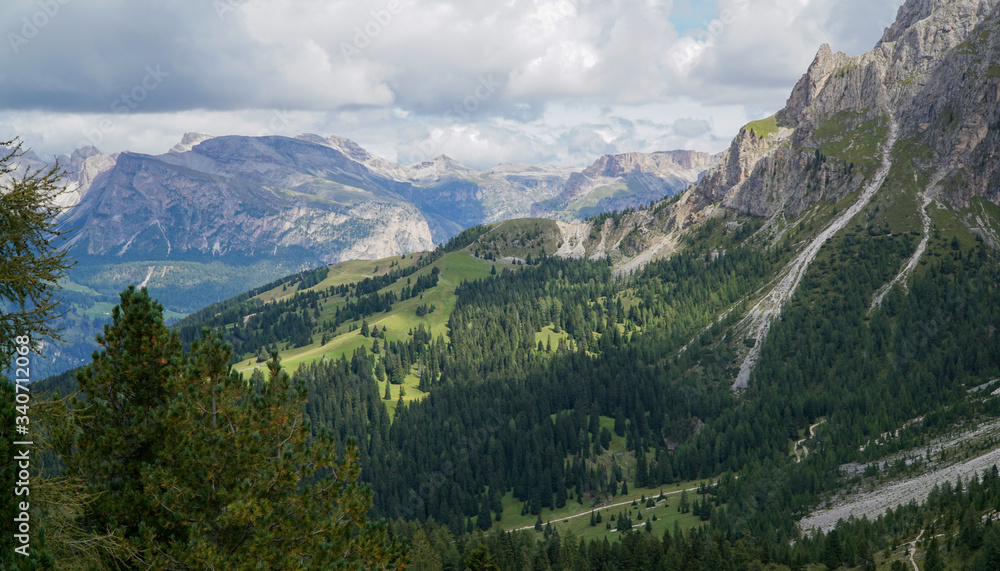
[575, 515]
[763, 127]
[455, 267]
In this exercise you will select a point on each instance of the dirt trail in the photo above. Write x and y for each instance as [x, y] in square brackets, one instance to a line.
[758, 321]
[606, 507]
[913, 550]
[801, 442]
[928, 197]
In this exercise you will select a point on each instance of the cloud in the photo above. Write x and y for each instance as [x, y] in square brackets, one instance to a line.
[688, 127]
[393, 72]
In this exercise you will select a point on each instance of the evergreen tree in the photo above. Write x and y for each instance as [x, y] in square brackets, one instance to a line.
[481, 559]
[832, 550]
[118, 431]
[483, 520]
[32, 262]
[933, 561]
[33, 259]
[684, 505]
[199, 469]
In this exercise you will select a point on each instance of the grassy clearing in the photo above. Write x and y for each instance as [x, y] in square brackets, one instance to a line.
[455, 267]
[575, 517]
[346, 273]
[412, 392]
[549, 336]
[764, 127]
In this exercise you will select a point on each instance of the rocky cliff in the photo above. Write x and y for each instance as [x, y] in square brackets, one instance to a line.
[327, 198]
[934, 74]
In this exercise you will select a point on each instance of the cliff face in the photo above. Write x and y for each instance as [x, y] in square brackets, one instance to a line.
[244, 197]
[327, 198]
[628, 180]
[934, 75]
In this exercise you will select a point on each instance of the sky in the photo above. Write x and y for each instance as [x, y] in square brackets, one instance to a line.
[484, 82]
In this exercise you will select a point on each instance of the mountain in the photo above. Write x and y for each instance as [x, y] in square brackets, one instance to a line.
[620, 182]
[242, 196]
[216, 215]
[808, 333]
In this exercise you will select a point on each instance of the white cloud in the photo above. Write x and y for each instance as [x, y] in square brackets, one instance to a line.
[388, 73]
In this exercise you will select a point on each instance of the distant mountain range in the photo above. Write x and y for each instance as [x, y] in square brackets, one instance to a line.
[215, 216]
[329, 198]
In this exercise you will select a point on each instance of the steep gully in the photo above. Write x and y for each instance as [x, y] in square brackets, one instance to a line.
[928, 196]
[758, 321]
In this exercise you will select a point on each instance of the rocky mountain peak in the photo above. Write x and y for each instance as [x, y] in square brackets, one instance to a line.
[933, 75]
[188, 142]
[944, 15]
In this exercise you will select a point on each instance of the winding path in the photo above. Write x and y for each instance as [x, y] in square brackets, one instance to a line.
[913, 550]
[606, 507]
[801, 442]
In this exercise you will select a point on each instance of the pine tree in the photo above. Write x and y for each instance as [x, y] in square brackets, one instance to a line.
[481, 559]
[244, 474]
[832, 551]
[32, 260]
[388, 391]
[933, 562]
[119, 431]
[483, 520]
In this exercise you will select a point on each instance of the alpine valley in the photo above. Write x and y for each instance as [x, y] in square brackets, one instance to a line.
[793, 363]
[217, 215]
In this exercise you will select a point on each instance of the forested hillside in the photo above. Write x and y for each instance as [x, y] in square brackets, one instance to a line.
[711, 382]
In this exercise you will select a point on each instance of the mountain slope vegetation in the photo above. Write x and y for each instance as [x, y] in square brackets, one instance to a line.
[813, 318]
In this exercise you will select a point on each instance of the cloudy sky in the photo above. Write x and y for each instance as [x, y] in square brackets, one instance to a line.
[544, 81]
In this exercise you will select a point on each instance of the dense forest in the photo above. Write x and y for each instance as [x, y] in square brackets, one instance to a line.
[546, 364]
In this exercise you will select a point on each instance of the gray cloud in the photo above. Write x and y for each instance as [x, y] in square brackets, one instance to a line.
[513, 80]
[691, 127]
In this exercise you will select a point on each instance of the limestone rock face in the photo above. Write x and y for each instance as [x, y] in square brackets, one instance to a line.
[323, 200]
[240, 196]
[935, 74]
[618, 182]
